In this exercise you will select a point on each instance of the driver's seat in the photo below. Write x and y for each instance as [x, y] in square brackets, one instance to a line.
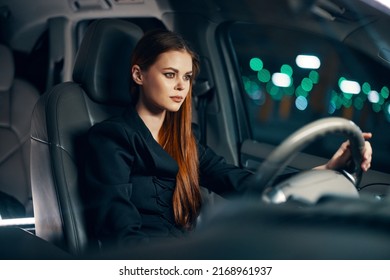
[61, 119]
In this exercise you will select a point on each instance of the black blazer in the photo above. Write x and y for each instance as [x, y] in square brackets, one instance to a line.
[131, 179]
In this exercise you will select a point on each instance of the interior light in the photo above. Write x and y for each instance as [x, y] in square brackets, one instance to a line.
[308, 61]
[281, 80]
[17, 221]
[351, 87]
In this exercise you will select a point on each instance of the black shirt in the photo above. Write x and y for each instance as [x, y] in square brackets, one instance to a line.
[131, 179]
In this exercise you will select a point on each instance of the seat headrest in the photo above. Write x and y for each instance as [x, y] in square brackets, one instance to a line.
[7, 68]
[102, 65]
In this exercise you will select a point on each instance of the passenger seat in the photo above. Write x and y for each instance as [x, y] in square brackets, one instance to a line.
[17, 100]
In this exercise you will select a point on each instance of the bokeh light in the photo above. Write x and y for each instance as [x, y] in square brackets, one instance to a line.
[256, 64]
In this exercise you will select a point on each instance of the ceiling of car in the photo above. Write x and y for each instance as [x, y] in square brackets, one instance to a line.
[22, 22]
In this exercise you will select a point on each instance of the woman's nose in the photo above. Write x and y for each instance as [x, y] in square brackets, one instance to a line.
[180, 85]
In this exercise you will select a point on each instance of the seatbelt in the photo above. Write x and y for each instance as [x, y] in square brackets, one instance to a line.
[203, 92]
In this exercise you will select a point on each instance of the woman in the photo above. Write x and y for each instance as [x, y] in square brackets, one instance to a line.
[145, 167]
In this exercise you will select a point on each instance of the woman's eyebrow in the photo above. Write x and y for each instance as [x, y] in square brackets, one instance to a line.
[176, 70]
[171, 68]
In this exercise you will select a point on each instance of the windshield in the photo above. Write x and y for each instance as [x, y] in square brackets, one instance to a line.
[290, 78]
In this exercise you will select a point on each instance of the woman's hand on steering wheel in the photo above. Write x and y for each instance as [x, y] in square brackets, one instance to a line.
[342, 157]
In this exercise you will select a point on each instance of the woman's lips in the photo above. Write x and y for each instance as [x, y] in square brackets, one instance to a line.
[177, 99]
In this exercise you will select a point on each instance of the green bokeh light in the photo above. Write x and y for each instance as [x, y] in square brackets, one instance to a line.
[366, 88]
[347, 103]
[314, 76]
[256, 64]
[387, 111]
[264, 76]
[307, 84]
[347, 96]
[358, 103]
[289, 90]
[301, 92]
[385, 92]
[286, 69]
[336, 100]
[376, 107]
[246, 82]
[252, 88]
[341, 80]
[381, 100]
[268, 87]
[275, 92]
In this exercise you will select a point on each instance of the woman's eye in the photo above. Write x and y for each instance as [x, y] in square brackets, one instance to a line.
[169, 75]
[187, 77]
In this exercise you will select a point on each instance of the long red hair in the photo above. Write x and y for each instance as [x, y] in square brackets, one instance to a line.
[175, 135]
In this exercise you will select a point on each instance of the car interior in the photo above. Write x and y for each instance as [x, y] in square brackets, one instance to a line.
[65, 66]
[18, 98]
[96, 93]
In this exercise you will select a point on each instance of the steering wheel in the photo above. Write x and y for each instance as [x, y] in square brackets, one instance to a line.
[312, 184]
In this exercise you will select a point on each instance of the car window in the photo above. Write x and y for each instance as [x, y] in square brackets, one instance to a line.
[290, 78]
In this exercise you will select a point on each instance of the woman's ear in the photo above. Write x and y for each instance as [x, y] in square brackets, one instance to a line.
[136, 74]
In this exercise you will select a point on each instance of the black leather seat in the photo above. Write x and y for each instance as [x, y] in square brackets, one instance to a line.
[61, 119]
[17, 100]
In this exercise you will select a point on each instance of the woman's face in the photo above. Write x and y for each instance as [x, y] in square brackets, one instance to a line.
[165, 85]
